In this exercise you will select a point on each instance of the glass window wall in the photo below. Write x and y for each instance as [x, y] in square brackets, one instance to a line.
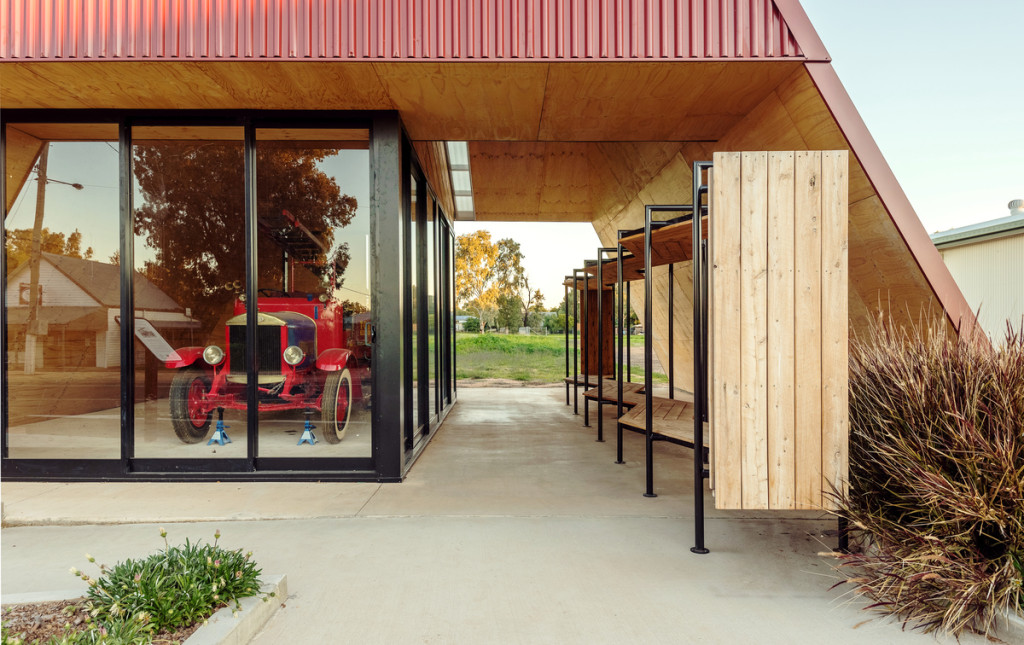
[315, 319]
[189, 194]
[62, 291]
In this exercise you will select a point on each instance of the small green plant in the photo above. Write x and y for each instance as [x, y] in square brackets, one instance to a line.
[172, 588]
[936, 495]
[118, 632]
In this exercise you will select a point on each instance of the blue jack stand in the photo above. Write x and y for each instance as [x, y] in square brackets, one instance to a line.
[307, 433]
[220, 437]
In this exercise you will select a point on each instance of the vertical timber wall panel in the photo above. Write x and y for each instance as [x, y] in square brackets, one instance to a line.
[754, 327]
[835, 418]
[725, 355]
[781, 335]
[807, 222]
[779, 377]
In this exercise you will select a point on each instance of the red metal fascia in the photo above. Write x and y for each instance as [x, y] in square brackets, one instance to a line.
[402, 29]
[891, 194]
[795, 21]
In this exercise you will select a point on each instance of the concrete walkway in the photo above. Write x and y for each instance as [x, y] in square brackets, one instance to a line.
[514, 527]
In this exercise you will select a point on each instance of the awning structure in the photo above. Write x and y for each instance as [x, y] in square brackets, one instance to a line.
[571, 111]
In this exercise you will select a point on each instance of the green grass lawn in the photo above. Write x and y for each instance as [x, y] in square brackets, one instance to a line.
[530, 359]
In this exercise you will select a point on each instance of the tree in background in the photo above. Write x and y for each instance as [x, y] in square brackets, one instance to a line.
[508, 312]
[486, 272]
[19, 246]
[475, 257]
[530, 300]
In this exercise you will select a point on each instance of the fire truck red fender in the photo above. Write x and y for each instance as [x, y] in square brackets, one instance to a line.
[184, 357]
[332, 360]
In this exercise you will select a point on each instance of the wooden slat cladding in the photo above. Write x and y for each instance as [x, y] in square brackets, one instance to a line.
[779, 379]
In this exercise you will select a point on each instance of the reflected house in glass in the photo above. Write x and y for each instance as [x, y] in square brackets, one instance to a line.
[377, 125]
[79, 307]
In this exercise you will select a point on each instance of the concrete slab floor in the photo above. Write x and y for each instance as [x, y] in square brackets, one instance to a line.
[513, 527]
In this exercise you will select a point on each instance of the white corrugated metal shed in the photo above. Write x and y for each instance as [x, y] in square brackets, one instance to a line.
[987, 262]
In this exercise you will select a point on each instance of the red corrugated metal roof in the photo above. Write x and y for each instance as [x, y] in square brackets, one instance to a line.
[395, 29]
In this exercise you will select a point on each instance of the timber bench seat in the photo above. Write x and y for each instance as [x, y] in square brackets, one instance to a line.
[672, 420]
[586, 381]
[631, 393]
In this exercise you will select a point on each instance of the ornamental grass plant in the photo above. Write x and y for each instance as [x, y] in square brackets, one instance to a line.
[936, 494]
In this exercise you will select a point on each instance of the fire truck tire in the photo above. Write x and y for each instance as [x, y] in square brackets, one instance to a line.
[336, 405]
[190, 420]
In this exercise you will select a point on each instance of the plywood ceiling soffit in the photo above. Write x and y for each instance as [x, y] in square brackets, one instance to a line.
[29, 85]
[625, 168]
[566, 188]
[882, 270]
[588, 101]
[813, 120]
[286, 85]
[474, 101]
[507, 177]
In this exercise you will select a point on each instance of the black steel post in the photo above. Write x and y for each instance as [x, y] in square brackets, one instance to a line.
[629, 331]
[3, 301]
[600, 346]
[699, 358]
[127, 301]
[671, 333]
[565, 332]
[587, 342]
[618, 326]
[648, 362]
[251, 294]
[844, 535]
[575, 342]
[388, 297]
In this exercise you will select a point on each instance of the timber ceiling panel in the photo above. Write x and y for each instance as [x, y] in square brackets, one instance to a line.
[456, 102]
[651, 101]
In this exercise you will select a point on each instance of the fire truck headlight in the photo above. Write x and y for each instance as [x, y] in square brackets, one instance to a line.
[293, 355]
[213, 355]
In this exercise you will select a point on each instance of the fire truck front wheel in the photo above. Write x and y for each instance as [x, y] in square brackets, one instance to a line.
[190, 414]
[336, 405]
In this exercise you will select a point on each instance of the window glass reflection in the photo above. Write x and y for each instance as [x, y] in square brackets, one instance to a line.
[62, 291]
[314, 276]
[188, 185]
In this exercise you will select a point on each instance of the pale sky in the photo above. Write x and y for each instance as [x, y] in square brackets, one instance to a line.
[940, 85]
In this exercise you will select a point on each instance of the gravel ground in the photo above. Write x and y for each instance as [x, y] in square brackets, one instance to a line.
[42, 620]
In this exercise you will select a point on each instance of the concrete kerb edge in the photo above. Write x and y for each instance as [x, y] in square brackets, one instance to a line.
[222, 628]
[1011, 627]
